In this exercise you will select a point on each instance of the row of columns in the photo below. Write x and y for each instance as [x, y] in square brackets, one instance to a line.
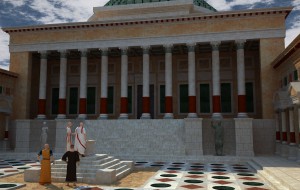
[285, 125]
[146, 98]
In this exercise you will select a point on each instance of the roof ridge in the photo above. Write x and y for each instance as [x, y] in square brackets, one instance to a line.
[201, 3]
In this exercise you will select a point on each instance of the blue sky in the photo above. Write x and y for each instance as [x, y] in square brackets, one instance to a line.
[33, 12]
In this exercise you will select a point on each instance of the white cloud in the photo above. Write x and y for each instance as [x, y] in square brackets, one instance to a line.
[4, 38]
[223, 5]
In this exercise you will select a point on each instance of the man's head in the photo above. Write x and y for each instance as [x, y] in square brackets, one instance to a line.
[46, 146]
[81, 124]
[72, 146]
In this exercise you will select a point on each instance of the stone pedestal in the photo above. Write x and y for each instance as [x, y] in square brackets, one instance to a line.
[277, 148]
[90, 147]
[284, 152]
[244, 136]
[293, 152]
[32, 174]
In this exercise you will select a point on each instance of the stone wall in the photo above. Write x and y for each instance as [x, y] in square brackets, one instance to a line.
[264, 136]
[160, 138]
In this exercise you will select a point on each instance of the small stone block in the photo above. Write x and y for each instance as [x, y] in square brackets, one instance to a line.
[32, 175]
[105, 176]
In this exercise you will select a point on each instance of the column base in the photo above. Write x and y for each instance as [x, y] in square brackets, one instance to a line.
[277, 148]
[284, 152]
[61, 116]
[168, 116]
[81, 116]
[123, 116]
[298, 156]
[292, 152]
[41, 116]
[103, 116]
[216, 115]
[192, 115]
[146, 116]
[242, 115]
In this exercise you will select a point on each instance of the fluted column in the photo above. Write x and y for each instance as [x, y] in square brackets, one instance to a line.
[216, 80]
[241, 79]
[146, 84]
[124, 84]
[277, 120]
[42, 87]
[283, 127]
[192, 81]
[168, 81]
[104, 79]
[83, 84]
[62, 85]
[292, 127]
[6, 127]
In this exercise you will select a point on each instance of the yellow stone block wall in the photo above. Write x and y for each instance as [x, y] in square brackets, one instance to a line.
[150, 30]
[21, 63]
[269, 50]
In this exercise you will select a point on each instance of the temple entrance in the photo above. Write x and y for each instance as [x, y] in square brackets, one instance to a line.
[140, 101]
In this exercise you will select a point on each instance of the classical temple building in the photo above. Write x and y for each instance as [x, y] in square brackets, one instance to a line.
[175, 63]
[151, 59]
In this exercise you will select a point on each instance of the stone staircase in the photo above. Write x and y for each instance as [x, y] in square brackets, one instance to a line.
[95, 169]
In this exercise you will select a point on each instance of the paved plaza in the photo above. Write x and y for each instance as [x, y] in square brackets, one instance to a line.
[259, 173]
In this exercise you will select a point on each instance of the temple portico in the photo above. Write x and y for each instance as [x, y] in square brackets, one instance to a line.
[189, 67]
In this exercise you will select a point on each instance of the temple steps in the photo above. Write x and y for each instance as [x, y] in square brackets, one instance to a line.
[96, 169]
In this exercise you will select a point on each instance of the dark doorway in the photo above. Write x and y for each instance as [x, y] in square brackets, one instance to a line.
[140, 101]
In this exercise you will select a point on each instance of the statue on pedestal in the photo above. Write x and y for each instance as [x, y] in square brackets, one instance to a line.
[44, 134]
[219, 136]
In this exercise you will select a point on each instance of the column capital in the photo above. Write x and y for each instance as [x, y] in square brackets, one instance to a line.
[215, 45]
[240, 44]
[124, 50]
[44, 54]
[146, 49]
[191, 47]
[104, 51]
[168, 48]
[83, 52]
[63, 53]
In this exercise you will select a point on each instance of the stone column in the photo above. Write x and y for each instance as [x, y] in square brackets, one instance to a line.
[124, 84]
[241, 79]
[168, 81]
[83, 84]
[192, 81]
[277, 123]
[62, 86]
[146, 84]
[284, 150]
[6, 127]
[104, 79]
[292, 147]
[298, 110]
[216, 80]
[43, 87]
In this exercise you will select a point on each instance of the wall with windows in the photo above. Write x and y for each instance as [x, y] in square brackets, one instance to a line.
[157, 84]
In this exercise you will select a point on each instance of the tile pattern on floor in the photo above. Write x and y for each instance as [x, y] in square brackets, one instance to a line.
[13, 166]
[185, 176]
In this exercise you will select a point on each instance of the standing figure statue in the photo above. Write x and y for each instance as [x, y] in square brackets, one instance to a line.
[44, 134]
[219, 136]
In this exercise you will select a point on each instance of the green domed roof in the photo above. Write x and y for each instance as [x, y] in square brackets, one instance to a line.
[200, 3]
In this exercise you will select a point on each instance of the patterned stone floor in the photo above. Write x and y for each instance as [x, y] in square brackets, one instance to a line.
[209, 176]
[174, 175]
[14, 166]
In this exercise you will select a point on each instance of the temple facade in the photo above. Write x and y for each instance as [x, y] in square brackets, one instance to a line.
[162, 59]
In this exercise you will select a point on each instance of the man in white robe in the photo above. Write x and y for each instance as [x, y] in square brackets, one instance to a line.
[80, 139]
